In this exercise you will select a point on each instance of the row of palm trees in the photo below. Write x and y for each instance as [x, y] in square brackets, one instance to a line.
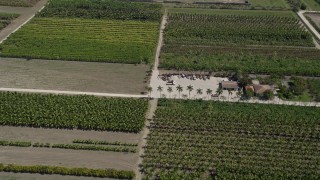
[189, 88]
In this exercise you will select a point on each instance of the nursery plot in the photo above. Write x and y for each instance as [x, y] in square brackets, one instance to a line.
[72, 112]
[84, 40]
[203, 139]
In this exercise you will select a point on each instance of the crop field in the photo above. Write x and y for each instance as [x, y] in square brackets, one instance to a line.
[85, 40]
[89, 31]
[22, 3]
[5, 19]
[313, 5]
[72, 112]
[203, 139]
[252, 41]
[269, 4]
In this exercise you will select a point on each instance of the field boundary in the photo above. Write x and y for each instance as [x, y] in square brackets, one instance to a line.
[307, 23]
[71, 93]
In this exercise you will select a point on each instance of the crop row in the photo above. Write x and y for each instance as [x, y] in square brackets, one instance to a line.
[258, 60]
[102, 173]
[5, 19]
[72, 112]
[232, 140]
[90, 141]
[102, 9]
[231, 29]
[113, 41]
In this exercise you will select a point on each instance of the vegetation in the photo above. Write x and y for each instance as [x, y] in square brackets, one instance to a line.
[22, 3]
[84, 40]
[313, 5]
[102, 173]
[90, 141]
[216, 140]
[314, 24]
[15, 143]
[235, 29]
[72, 112]
[102, 9]
[271, 60]
[5, 19]
[94, 148]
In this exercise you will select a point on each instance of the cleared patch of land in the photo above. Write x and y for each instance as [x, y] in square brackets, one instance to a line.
[314, 19]
[26, 176]
[72, 76]
[24, 3]
[68, 158]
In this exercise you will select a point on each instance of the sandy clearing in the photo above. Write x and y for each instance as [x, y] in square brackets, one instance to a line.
[67, 158]
[63, 135]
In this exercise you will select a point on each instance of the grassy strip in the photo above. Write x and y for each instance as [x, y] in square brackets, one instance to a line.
[90, 141]
[15, 143]
[102, 173]
[93, 148]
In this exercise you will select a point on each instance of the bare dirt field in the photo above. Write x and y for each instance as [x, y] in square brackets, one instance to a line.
[63, 136]
[25, 176]
[72, 76]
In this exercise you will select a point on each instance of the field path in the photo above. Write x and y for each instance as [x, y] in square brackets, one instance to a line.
[151, 112]
[306, 22]
[26, 14]
[71, 93]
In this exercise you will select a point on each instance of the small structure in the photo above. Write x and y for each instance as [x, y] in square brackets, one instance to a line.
[260, 89]
[249, 88]
[229, 85]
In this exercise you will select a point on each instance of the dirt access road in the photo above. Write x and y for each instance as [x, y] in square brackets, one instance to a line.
[26, 14]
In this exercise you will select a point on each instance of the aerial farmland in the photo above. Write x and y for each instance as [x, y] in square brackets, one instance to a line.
[186, 89]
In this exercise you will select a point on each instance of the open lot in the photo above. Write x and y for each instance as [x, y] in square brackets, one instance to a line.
[72, 76]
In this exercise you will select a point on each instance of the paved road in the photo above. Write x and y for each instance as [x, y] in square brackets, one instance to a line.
[71, 93]
[26, 14]
[306, 22]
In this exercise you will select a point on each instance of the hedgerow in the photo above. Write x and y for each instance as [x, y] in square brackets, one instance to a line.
[15, 143]
[39, 169]
[94, 148]
[96, 142]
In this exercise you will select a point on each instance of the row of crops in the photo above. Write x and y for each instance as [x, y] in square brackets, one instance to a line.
[250, 41]
[281, 61]
[23, 3]
[72, 112]
[103, 9]
[216, 140]
[112, 31]
[235, 29]
[5, 19]
[84, 40]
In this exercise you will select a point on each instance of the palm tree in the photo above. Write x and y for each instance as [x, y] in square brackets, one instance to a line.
[230, 93]
[199, 91]
[179, 89]
[169, 91]
[160, 89]
[149, 89]
[209, 92]
[219, 91]
[189, 88]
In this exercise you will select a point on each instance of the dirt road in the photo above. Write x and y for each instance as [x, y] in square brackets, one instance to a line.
[306, 22]
[26, 14]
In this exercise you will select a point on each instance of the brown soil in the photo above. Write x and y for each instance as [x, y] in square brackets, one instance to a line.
[26, 176]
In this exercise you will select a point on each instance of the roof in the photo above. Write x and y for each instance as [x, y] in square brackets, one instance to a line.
[249, 88]
[229, 84]
[259, 89]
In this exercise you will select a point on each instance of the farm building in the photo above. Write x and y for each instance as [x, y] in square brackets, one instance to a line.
[260, 89]
[229, 85]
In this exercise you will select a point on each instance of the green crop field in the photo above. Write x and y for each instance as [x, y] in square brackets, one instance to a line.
[22, 3]
[84, 39]
[82, 30]
[217, 140]
[227, 40]
[72, 112]
[5, 19]
[313, 5]
[269, 4]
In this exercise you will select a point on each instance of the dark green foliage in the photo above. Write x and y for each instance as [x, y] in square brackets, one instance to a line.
[295, 4]
[5, 19]
[314, 88]
[101, 173]
[90, 141]
[72, 112]
[102, 9]
[298, 85]
[15, 143]
[216, 140]
[46, 145]
[94, 148]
